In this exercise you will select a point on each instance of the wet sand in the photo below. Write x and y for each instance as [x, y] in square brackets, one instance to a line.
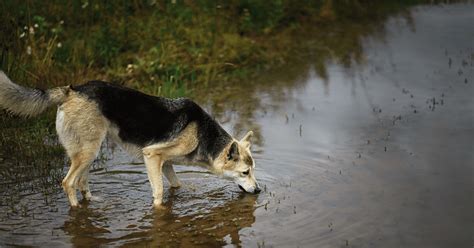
[375, 154]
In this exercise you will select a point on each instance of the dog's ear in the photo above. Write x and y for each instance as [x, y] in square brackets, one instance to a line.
[233, 153]
[245, 141]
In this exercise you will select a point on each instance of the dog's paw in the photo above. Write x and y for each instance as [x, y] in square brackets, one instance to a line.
[157, 205]
[86, 195]
[76, 206]
[160, 207]
[176, 185]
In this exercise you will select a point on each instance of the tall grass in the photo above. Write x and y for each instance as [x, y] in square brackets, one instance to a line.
[164, 46]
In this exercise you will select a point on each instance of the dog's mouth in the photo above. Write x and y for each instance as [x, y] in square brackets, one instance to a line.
[256, 191]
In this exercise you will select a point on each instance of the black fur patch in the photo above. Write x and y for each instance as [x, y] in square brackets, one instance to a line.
[143, 119]
[233, 153]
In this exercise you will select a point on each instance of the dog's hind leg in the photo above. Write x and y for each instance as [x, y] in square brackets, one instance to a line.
[79, 163]
[169, 173]
[84, 185]
[81, 129]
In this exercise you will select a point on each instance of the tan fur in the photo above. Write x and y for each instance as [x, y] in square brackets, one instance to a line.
[234, 169]
[155, 156]
[245, 154]
[154, 166]
[185, 143]
[245, 141]
[81, 129]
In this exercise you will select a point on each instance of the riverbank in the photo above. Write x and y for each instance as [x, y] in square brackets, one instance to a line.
[172, 48]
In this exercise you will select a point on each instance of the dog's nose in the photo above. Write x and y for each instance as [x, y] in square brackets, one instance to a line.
[257, 190]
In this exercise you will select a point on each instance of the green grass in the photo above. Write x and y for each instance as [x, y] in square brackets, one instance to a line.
[169, 47]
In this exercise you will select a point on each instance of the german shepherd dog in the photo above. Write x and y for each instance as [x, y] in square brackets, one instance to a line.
[161, 131]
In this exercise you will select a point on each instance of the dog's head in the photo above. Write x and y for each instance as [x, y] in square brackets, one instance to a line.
[236, 163]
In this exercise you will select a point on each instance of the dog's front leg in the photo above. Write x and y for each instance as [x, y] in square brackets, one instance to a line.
[154, 164]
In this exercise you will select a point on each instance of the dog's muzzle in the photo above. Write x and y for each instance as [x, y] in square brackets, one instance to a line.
[255, 191]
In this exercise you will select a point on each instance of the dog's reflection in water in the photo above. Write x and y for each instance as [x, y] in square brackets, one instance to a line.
[217, 226]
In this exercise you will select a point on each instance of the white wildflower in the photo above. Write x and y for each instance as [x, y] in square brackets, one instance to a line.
[85, 4]
[32, 30]
[36, 25]
[61, 22]
[22, 35]
[25, 28]
[28, 50]
[129, 68]
[173, 1]
[59, 45]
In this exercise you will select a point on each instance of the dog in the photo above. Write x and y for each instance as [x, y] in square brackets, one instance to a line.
[160, 130]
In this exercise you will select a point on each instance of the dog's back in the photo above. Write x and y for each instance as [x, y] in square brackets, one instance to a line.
[141, 119]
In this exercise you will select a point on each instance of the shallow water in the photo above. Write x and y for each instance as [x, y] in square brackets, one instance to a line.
[375, 154]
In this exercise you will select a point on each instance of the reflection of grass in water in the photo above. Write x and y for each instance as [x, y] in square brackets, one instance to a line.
[337, 37]
[32, 159]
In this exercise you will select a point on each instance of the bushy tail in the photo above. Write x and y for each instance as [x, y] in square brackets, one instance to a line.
[28, 102]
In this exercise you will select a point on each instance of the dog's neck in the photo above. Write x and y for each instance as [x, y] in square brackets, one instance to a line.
[213, 140]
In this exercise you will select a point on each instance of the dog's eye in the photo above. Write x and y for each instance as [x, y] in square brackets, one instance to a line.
[246, 172]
